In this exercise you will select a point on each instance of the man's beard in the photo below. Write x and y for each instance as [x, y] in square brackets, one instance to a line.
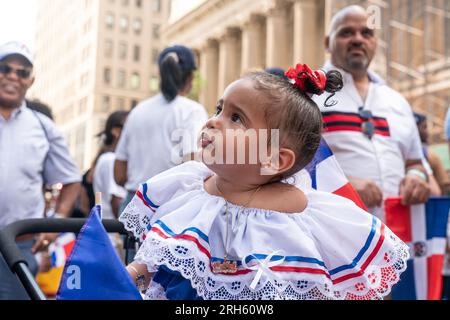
[358, 63]
[8, 104]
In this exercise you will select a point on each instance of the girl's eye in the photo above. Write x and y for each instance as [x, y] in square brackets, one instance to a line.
[218, 110]
[236, 118]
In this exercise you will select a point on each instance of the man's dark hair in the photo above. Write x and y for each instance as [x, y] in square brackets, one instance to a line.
[176, 66]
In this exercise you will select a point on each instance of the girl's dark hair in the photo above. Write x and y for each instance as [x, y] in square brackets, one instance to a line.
[334, 84]
[173, 77]
[294, 113]
[115, 120]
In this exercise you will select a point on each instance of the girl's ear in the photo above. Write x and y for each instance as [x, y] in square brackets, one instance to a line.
[280, 162]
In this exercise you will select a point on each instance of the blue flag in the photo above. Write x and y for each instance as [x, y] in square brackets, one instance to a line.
[94, 271]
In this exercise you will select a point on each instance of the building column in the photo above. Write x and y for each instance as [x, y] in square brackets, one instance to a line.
[278, 44]
[209, 73]
[229, 58]
[254, 43]
[309, 32]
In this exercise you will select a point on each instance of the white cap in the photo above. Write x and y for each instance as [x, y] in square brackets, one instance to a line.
[15, 48]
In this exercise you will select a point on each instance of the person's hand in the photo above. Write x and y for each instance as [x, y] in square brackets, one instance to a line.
[414, 190]
[46, 262]
[370, 193]
[44, 241]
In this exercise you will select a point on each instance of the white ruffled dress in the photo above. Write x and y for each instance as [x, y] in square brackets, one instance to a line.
[331, 250]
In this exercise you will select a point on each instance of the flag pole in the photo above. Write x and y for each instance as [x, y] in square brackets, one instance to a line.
[98, 202]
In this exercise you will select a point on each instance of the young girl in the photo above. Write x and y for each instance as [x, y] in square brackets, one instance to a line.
[221, 230]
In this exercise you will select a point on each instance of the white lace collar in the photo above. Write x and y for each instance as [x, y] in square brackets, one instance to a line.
[332, 250]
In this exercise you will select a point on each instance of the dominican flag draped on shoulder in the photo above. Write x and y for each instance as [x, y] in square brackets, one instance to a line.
[94, 270]
[326, 175]
[424, 228]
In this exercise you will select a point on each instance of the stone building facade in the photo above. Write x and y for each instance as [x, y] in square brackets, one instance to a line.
[231, 37]
[94, 57]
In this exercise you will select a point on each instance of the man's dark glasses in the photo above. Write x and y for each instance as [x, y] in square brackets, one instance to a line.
[21, 73]
[367, 127]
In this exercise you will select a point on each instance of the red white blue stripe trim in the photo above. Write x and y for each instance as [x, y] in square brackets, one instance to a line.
[296, 263]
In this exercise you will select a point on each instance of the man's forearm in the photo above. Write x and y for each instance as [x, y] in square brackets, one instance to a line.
[120, 172]
[417, 168]
[67, 197]
[415, 164]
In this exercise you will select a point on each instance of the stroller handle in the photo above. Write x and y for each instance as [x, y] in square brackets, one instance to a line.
[14, 257]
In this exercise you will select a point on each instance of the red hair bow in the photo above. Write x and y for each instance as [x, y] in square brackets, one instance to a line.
[308, 81]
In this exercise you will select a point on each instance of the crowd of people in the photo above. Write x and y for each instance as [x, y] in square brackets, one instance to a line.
[153, 172]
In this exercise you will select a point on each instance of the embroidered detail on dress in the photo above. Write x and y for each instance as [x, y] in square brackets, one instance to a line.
[374, 283]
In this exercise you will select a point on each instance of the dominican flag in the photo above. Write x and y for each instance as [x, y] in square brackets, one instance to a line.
[94, 271]
[60, 250]
[326, 175]
[424, 228]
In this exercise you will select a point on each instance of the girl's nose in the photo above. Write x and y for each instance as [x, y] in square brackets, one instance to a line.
[213, 122]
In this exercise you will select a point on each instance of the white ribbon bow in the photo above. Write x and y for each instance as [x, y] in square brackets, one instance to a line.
[264, 267]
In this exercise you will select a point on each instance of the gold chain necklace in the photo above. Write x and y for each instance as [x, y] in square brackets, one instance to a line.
[228, 266]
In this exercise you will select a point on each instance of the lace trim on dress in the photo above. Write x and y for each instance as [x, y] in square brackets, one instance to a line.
[136, 219]
[155, 292]
[184, 257]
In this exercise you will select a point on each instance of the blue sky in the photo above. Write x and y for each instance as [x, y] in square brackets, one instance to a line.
[17, 21]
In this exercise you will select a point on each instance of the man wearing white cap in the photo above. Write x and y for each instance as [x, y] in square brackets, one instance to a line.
[32, 153]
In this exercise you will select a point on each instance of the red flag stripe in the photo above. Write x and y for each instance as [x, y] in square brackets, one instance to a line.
[398, 219]
[347, 191]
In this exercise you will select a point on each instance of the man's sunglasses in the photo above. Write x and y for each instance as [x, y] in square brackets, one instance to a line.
[367, 127]
[21, 73]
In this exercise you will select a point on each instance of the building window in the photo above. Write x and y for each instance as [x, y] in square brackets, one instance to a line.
[156, 5]
[87, 26]
[83, 105]
[125, 2]
[109, 20]
[107, 75]
[84, 79]
[108, 48]
[106, 104]
[137, 25]
[135, 81]
[154, 84]
[139, 3]
[123, 24]
[155, 31]
[121, 79]
[86, 53]
[121, 104]
[155, 55]
[80, 135]
[137, 53]
[123, 50]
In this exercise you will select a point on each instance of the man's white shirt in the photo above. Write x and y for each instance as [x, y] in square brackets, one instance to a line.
[396, 139]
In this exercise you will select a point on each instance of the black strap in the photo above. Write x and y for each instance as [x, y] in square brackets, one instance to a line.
[45, 132]
[41, 123]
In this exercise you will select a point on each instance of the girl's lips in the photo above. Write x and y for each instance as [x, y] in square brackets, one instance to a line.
[206, 141]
